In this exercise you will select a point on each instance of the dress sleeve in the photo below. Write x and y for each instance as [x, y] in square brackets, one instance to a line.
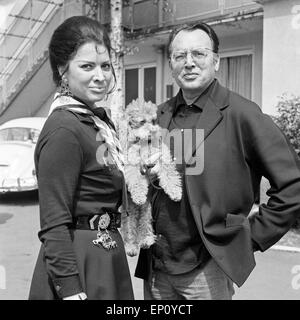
[58, 168]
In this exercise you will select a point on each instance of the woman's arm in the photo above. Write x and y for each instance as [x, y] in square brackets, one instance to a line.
[58, 167]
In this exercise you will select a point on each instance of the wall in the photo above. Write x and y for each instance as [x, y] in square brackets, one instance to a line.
[34, 98]
[281, 57]
[147, 14]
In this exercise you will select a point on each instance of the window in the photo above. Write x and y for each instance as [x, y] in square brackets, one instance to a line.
[150, 84]
[140, 83]
[235, 73]
[131, 85]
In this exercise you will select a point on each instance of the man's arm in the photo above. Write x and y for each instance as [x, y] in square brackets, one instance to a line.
[274, 158]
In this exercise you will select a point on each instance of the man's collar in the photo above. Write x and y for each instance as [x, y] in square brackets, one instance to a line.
[218, 94]
[199, 102]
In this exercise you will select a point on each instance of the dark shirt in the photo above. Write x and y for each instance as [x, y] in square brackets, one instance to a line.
[71, 183]
[179, 247]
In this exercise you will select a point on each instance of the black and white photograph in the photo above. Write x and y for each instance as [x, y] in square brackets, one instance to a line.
[150, 151]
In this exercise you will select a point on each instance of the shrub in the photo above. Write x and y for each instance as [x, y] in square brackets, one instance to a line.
[288, 120]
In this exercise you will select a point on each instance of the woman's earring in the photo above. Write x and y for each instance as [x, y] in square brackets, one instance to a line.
[64, 88]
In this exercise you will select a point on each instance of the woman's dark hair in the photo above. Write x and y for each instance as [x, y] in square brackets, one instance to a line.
[69, 36]
[199, 26]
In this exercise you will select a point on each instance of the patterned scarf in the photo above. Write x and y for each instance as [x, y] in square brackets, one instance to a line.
[107, 133]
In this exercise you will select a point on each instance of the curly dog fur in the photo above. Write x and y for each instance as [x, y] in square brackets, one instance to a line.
[140, 138]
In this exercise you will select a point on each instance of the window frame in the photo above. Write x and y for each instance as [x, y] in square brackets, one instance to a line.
[141, 77]
[242, 51]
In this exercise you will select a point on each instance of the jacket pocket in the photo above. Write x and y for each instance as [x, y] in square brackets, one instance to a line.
[235, 220]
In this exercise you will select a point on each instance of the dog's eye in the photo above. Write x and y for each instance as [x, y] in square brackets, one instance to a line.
[143, 122]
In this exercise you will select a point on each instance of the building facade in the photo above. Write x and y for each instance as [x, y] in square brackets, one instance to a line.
[259, 48]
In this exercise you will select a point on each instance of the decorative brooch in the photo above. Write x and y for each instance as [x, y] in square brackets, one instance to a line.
[103, 236]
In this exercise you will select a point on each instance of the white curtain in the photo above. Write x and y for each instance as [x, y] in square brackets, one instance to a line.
[235, 73]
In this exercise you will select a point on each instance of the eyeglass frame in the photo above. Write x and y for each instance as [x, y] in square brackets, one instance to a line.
[185, 52]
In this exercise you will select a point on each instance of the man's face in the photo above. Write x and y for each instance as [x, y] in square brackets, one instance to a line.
[192, 61]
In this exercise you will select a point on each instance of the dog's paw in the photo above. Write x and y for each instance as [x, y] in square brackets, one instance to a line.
[170, 181]
[175, 193]
[147, 242]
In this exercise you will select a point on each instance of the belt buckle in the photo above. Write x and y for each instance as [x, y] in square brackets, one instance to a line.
[103, 237]
[104, 221]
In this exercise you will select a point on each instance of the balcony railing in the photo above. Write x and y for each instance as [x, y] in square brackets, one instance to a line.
[151, 14]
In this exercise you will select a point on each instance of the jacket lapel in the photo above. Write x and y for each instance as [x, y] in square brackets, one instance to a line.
[165, 115]
[209, 119]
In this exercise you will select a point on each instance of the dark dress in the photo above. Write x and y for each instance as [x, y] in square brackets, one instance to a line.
[72, 183]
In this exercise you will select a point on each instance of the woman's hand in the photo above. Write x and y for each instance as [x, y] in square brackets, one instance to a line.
[79, 296]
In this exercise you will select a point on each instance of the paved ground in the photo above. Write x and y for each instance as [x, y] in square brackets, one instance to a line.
[272, 279]
[19, 223]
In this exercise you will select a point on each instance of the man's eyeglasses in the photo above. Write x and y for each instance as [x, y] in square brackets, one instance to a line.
[199, 55]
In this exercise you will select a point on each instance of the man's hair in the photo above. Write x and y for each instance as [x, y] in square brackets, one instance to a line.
[69, 36]
[198, 26]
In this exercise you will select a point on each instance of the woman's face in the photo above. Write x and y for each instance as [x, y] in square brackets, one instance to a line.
[89, 73]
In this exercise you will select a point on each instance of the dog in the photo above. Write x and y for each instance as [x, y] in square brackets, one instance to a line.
[141, 139]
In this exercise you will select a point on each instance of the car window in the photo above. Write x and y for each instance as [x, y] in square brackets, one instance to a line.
[19, 134]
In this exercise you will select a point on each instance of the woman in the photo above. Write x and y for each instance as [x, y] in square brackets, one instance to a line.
[80, 174]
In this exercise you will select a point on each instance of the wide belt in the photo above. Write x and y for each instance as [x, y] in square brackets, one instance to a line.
[106, 220]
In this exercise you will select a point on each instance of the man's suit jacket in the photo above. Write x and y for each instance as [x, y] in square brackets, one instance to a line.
[241, 144]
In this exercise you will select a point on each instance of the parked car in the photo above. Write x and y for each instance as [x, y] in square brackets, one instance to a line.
[18, 139]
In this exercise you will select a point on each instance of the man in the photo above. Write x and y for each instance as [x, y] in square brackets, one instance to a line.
[206, 241]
